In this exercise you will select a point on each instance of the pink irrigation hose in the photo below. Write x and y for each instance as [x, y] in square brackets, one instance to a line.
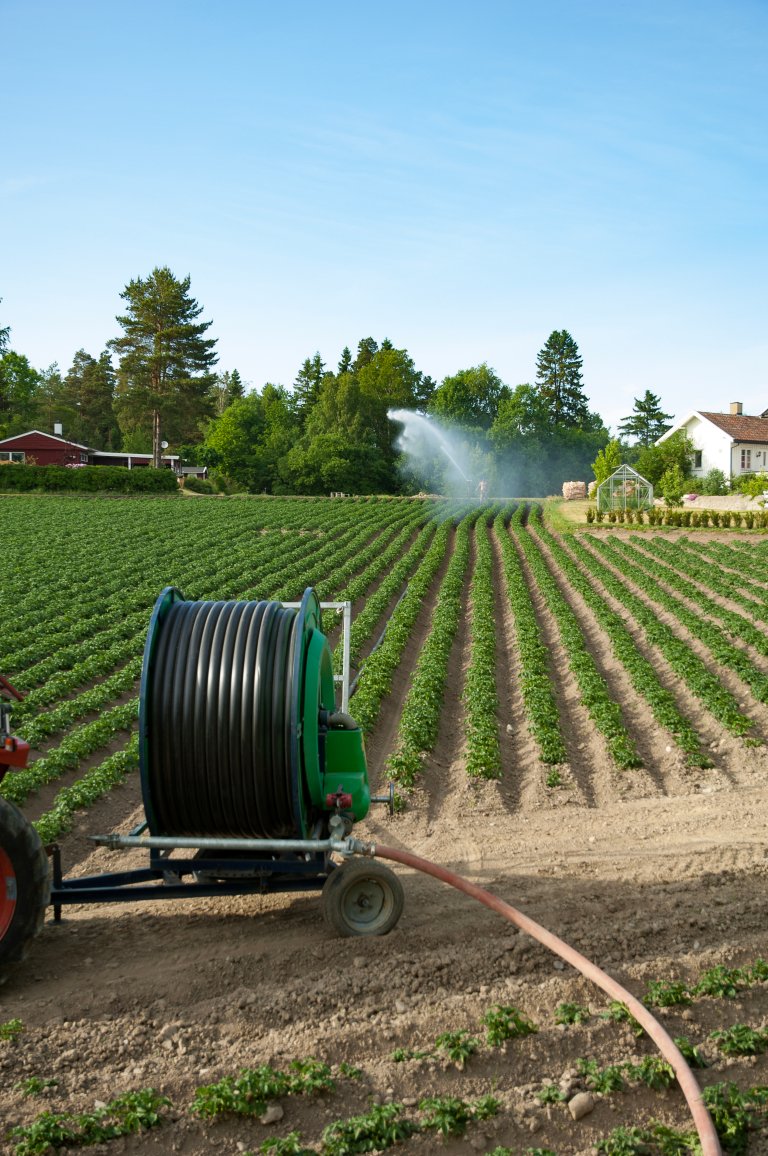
[710, 1143]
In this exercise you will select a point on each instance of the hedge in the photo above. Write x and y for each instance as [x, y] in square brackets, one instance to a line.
[114, 479]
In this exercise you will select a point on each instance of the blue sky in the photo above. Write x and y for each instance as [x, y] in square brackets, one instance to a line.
[462, 179]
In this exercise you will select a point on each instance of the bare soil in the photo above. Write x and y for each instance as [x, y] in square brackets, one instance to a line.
[657, 874]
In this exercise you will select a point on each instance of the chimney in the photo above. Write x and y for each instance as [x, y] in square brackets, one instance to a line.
[57, 429]
[736, 409]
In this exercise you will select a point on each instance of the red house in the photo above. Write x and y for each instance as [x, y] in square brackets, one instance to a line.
[42, 449]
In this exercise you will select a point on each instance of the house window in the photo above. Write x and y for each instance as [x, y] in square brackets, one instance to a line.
[697, 459]
[746, 459]
[84, 459]
[11, 455]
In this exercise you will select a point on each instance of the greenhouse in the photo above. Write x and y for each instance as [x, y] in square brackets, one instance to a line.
[625, 489]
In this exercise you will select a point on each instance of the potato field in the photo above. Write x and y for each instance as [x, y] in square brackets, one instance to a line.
[577, 720]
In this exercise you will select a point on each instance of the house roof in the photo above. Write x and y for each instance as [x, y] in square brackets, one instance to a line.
[41, 434]
[740, 427]
[737, 427]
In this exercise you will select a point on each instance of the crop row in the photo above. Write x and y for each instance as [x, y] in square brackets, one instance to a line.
[480, 697]
[80, 744]
[376, 605]
[641, 672]
[706, 632]
[338, 552]
[132, 598]
[168, 541]
[102, 658]
[730, 557]
[538, 696]
[604, 711]
[376, 678]
[689, 562]
[696, 676]
[420, 715]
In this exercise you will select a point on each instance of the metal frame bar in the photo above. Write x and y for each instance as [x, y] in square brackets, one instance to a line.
[163, 878]
[211, 843]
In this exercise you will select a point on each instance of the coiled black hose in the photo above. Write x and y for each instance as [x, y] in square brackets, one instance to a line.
[219, 721]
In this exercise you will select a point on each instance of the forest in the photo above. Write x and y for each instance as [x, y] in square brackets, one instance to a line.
[329, 430]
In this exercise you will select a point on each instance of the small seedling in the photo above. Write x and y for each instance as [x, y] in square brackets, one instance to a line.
[11, 1029]
[598, 1079]
[653, 1071]
[349, 1071]
[449, 1115]
[401, 1055]
[310, 1076]
[625, 1142]
[34, 1086]
[289, 1145]
[720, 981]
[666, 994]
[758, 972]
[619, 1013]
[550, 1094]
[554, 778]
[506, 1023]
[691, 1054]
[571, 1013]
[123, 1115]
[380, 1128]
[734, 1113]
[740, 1040]
[249, 1092]
[458, 1046]
[657, 1138]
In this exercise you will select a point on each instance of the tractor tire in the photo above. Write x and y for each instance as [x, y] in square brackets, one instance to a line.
[25, 884]
[362, 897]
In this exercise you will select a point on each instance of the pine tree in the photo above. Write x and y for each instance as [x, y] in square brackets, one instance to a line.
[5, 337]
[366, 351]
[164, 375]
[558, 374]
[236, 388]
[306, 387]
[345, 363]
[227, 388]
[648, 422]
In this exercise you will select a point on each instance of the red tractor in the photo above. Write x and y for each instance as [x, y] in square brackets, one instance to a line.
[24, 874]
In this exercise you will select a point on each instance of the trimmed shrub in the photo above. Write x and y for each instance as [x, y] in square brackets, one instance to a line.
[715, 483]
[198, 485]
[89, 479]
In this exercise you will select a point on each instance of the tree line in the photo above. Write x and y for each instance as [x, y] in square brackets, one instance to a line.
[330, 430]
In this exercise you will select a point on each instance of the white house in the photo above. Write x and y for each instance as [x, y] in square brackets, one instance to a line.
[734, 442]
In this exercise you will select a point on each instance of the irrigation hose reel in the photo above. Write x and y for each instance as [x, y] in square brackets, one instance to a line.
[244, 755]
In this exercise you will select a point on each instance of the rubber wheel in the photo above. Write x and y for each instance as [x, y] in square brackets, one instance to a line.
[25, 885]
[362, 897]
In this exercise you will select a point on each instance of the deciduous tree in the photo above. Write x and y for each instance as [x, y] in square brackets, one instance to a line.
[20, 386]
[469, 398]
[608, 460]
[655, 460]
